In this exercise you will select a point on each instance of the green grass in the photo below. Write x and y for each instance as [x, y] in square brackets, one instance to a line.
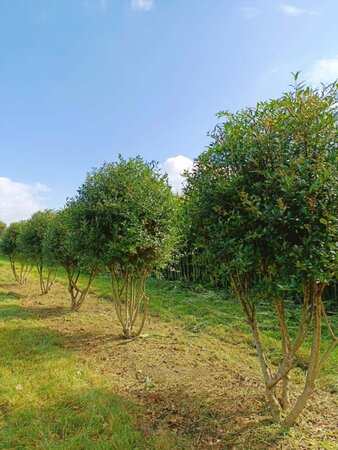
[48, 399]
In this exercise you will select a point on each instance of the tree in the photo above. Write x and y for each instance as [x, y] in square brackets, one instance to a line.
[9, 247]
[30, 243]
[264, 201]
[66, 245]
[128, 212]
[2, 228]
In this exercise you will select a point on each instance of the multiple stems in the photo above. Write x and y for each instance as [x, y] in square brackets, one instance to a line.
[20, 274]
[78, 295]
[129, 298]
[46, 279]
[313, 313]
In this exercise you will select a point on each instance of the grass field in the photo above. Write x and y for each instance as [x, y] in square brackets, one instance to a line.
[192, 381]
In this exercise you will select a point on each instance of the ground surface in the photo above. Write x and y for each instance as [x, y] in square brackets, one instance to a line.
[70, 382]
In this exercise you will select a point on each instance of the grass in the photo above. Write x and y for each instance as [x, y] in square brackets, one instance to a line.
[218, 313]
[48, 398]
[193, 381]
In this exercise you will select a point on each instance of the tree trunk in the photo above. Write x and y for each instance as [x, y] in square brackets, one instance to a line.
[312, 371]
[129, 296]
[78, 295]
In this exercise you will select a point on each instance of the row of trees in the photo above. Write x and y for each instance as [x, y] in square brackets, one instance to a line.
[121, 221]
[259, 211]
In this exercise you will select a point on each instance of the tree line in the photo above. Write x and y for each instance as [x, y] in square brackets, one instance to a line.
[259, 213]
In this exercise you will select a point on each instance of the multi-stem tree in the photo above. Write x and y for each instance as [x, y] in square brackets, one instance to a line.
[128, 212]
[66, 245]
[9, 247]
[264, 201]
[30, 243]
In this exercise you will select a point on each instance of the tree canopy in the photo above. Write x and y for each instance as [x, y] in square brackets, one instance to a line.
[264, 203]
[128, 211]
[9, 246]
[30, 242]
[3, 226]
[67, 244]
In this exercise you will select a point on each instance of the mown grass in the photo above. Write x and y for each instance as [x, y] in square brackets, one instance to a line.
[48, 398]
[217, 312]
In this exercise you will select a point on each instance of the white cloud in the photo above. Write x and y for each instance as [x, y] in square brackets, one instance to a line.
[323, 71]
[175, 167]
[142, 5]
[293, 11]
[19, 200]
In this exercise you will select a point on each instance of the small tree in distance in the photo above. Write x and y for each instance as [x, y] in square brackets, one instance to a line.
[3, 227]
[9, 247]
[128, 212]
[66, 245]
[30, 243]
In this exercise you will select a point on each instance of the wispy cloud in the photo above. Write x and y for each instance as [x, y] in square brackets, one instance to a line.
[290, 10]
[323, 71]
[250, 12]
[175, 167]
[142, 5]
[19, 200]
[294, 11]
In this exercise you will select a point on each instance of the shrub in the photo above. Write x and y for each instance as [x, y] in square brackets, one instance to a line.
[30, 243]
[10, 248]
[66, 245]
[128, 212]
[264, 201]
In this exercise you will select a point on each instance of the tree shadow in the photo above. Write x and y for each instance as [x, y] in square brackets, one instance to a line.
[12, 312]
[30, 344]
[9, 295]
[85, 419]
[83, 340]
[47, 312]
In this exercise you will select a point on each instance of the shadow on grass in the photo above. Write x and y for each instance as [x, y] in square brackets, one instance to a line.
[25, 343]
[86, 419]
[10, 295]
[86, 340]
[46, 312]
[12, 312]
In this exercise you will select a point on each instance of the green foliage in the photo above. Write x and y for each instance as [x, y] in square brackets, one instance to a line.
[2, 228]
[30, 240]
[264, 203]
[264, 197]
[66, 244]
[9, 241]
[57, 242]
[128, 212]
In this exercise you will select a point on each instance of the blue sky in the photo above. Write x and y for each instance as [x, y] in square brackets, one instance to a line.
[84, 80]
